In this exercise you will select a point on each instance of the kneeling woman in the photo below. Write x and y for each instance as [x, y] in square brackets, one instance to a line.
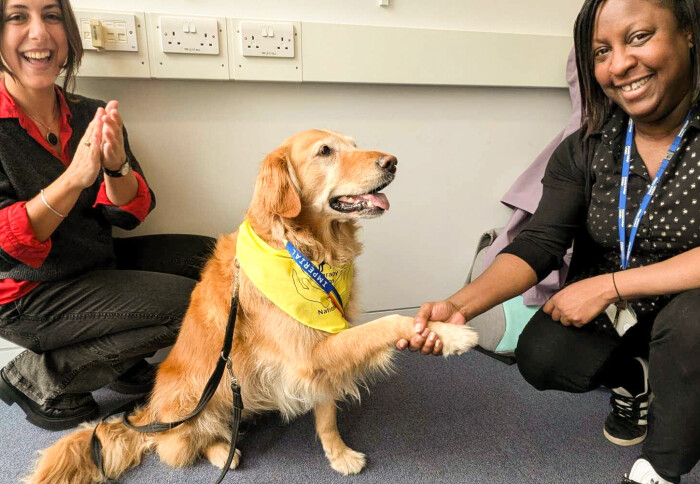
[86, 307]
[625, 189]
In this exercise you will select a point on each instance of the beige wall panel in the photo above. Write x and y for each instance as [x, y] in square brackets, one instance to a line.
[366, 54]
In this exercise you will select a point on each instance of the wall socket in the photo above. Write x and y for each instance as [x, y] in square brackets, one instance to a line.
[267, 39]
[170, 61]
[189, 35]
[264, 68]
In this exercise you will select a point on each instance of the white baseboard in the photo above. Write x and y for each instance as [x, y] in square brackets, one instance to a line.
[7, 352]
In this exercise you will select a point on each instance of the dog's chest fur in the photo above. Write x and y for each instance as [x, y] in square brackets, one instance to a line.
[273, 359]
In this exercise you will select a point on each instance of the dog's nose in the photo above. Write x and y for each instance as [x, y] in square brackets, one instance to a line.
[388, 163]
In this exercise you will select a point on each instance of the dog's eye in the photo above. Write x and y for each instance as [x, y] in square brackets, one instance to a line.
[325, 151]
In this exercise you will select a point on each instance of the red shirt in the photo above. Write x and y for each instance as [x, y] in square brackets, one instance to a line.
[17, 237]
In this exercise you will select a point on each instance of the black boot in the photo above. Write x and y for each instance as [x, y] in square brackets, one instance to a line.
[45, 416]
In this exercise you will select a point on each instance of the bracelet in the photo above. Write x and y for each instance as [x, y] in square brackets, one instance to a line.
[619, 298]
[43, 199]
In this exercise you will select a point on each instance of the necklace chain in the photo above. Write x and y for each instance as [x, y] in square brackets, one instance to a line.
[50, 136]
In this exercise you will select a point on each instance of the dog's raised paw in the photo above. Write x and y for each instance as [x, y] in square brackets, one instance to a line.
[218, 453]
[348, 462]
[455, 339]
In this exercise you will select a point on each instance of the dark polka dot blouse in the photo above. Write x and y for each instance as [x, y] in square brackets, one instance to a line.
[671, 223]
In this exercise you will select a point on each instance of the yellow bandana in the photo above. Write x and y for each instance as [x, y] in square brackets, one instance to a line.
[283, 282]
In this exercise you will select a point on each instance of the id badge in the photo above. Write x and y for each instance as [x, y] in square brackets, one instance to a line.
[622, 317]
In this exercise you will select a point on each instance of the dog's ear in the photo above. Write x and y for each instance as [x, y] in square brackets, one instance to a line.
[275, 192]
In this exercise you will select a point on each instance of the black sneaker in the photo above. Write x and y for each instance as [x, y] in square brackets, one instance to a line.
[44, 416]
[627, 423]
[137, 380]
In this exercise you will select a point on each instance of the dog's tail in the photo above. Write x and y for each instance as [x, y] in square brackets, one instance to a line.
[69, 461]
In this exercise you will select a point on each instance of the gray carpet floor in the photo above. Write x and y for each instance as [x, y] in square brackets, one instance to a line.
[468, 419]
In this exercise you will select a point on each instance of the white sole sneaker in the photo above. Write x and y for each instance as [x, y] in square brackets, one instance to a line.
[624, 443]
[643, 473]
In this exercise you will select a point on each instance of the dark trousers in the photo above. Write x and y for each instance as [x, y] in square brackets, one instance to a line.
[555, 357]
[82, 333]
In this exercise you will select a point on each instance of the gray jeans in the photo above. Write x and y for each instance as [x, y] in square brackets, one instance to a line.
[82, 333]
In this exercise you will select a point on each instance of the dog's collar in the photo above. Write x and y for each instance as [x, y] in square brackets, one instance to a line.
[291, 287]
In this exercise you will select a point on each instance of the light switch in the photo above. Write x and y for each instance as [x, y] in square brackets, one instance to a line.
[193, 28]
[186, 27]
[125, 53]
[97, 34]
[270, 32]
[109, 31]
[263, 31]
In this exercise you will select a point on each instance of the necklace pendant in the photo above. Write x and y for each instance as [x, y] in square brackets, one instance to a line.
[52, 138]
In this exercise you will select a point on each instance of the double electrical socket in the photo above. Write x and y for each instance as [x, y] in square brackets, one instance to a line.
[265, 50]
[187, 47]
[267, 39]
[188, 35]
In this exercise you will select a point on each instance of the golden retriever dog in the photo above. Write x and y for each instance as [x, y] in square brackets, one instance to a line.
[310, 191]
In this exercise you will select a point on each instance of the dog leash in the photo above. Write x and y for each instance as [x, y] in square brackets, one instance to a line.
[224, 362]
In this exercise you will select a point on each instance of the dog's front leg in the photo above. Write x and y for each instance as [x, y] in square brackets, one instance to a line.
[369, 346]
[342, 458]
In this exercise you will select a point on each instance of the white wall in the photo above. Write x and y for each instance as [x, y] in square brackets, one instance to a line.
[548, 17]
[459, 148]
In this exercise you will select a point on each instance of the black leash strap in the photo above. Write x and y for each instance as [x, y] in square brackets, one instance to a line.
[237, 411]
[96, 445]
[222, 363]
[209, 389]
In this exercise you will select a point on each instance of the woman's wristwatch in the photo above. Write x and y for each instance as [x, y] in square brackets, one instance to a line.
[123, 170]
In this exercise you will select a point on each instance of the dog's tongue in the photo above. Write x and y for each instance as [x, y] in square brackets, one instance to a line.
[376, 199]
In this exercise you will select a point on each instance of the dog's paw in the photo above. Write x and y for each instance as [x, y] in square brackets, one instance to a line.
[455, 339]
[348, 461]
[218, 453]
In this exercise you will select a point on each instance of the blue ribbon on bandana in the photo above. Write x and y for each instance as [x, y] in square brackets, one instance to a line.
[626, 249]
[316, 276]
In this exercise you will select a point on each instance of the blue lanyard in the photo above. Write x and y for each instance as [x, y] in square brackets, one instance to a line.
[316, 276]
[626, 249]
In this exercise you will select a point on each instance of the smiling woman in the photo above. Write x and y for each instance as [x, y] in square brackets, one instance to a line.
[58, 30]
[643, 64]
[656, 40]
[67, 176]
[624, 190]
